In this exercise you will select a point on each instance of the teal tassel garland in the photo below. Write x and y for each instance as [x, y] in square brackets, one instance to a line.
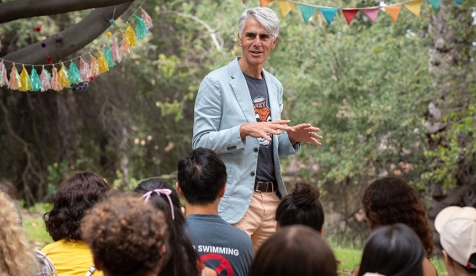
[141, 28]
[73, 74]
[108, 56]
[35, 80]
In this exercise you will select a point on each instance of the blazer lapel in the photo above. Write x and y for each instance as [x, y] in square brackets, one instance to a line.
[241, 91]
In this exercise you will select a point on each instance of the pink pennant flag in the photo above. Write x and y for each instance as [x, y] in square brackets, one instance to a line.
[349, 14]
[371, 13]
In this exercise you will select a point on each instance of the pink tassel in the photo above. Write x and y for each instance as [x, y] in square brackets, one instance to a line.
[45, 80]
[94, 66]
[3, 75]
[14, 83]
[116, 52]
[125, 47]
[147, 20]
[55, 80]
[84, 70]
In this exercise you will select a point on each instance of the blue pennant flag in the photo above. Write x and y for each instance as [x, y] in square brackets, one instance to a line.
[458, 1]
[307, 12]
[435, 3]
[329, 14]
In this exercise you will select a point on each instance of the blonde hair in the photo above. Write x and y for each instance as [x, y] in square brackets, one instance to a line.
[16, 255]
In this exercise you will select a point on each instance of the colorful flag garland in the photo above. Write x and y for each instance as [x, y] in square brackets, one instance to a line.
[329, 13]
[62, 77]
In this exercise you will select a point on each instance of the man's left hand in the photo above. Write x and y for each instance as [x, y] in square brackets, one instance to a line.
[304, 133]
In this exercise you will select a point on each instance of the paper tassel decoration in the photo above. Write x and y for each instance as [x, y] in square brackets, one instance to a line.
[3, 75]
[45, 80]
[141, 28]
[285, 7]
[125, 47]
[14, 82]
[414, 7]
[94, 66]
[116, 52]
[84, 70]
[73, 74]
[35, 80]
[108, 56]
[102, 62]
[307, 12]
[24, 80]
[349, 14]
[372, 13]
[130, 35]
[63, 76]
[147, 20]
[55, 80]
[393, 11]
[329, 14]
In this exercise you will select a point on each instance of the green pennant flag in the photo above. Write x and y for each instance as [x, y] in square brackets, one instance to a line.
[329, 14]
[307, 12]
[435, 3]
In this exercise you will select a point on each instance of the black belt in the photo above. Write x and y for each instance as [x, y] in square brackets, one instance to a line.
[264, 186]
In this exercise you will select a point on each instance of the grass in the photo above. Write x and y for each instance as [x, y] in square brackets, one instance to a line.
[35, 230]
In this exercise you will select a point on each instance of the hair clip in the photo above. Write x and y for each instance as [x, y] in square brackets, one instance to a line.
[165, 192]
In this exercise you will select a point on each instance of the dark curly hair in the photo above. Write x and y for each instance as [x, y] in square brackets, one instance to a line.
[74, 196]
[181, 258]
[391, 200]
[126, 236]
[302, 206]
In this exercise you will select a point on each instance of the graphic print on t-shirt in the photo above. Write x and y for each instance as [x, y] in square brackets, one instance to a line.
[262, 114]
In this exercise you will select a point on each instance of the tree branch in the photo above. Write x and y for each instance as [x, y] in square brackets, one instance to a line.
[70, 40]
[13, 10]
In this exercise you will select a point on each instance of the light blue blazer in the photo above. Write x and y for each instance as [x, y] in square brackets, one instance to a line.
[222, 105]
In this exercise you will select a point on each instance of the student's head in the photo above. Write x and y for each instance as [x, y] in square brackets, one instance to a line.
[126, 235]
[391, 200]
[201, 177]
[8, 188]
[457, 229]
[180, 258]
[73, 198]
[393, 250]
[265, 16]
[16, 256]
[294, 250]
[302, 206]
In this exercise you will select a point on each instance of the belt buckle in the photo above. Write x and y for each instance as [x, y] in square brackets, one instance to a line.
[267, 183]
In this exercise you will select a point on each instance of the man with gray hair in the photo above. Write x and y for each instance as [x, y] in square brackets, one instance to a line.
[238, 115]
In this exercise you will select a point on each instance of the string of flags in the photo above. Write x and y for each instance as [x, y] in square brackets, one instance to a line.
[73, 77]
[329, 13]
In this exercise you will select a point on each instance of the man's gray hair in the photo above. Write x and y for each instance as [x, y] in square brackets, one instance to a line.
[265, 16]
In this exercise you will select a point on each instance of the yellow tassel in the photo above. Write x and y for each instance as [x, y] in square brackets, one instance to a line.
[102, 61]
[24, 80]
[63, 76]
[131, 35]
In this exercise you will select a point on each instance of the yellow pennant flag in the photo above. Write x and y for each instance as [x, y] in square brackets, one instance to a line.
[414, 7]
[285, 7]
[264, 3]
[393, 11]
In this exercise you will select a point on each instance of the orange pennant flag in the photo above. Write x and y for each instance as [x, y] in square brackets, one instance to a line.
[414, 7]
[393, 11]
[285, 7]
[264, 3]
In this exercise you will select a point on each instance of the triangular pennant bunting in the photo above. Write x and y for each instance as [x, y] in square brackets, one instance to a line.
[393, 11]
[371, 13]
[307, 12]
[285, 7]
[458, 1]
[264, 3]
[329, 14]
[349, 14]
[414, 7]
[435, 3]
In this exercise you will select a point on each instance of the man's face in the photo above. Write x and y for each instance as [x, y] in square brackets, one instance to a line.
[256, 43]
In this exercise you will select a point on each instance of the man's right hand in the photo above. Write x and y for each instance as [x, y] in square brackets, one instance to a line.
[262, 129]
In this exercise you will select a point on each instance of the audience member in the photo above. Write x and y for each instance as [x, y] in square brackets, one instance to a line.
[201, 181]
[393, 250]
[127, 236]
[391, 200]
[180, 258]
[457, 229]
[302, 206]
[69, 254]
[16, 256]
[294, 250]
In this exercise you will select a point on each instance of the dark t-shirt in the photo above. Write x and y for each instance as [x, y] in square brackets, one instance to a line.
[220, 246]
[259, 96]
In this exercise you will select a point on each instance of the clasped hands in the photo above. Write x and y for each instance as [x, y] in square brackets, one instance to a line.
[298, 133]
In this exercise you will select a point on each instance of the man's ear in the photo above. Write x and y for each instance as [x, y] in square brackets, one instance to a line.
[274, 43]
[179, 191]
[222, 192]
